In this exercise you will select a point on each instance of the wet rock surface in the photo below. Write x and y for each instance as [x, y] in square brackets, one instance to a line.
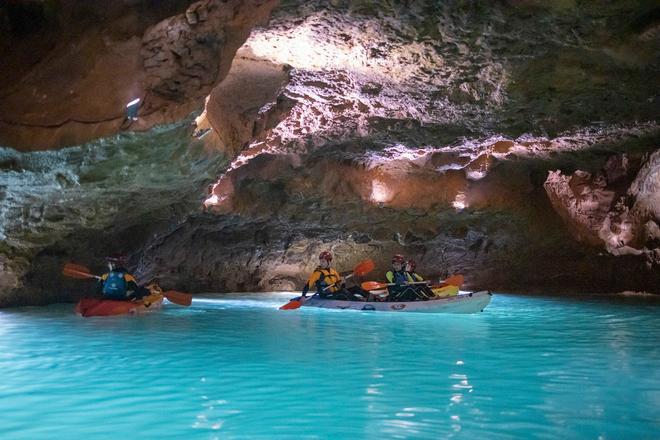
[515, 143]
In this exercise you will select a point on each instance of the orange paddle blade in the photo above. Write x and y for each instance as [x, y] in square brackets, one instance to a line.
[454, 280]
[291, 305]
[180, 298]
[78, 267]
[372, 285]
[77, 271]
[364, 268]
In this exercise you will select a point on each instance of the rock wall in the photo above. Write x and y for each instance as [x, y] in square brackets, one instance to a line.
[392, 126]
[514, 142]
[616, 208]
[98, 58]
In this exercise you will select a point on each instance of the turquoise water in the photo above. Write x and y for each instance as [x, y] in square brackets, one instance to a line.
[527, 367]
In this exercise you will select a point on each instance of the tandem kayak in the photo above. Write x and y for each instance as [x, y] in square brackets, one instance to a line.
[105, 307]
[471, 302]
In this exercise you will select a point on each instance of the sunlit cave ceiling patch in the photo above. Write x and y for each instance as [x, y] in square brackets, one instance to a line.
[357, 76]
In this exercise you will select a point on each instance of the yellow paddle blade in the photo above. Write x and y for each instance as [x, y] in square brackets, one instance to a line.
[445, 291]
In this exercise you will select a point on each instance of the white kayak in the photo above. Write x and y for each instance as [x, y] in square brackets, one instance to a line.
[469, 302]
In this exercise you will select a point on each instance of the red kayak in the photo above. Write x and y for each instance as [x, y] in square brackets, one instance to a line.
[105, 307]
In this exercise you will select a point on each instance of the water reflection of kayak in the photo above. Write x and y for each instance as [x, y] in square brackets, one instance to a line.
[105, 307]
[471, 302]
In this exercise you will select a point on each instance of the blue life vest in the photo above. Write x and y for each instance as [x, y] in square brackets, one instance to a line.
[399, 277]
[115, 286]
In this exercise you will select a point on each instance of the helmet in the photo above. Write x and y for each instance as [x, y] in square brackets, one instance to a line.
[398, 258]
[117, 259]
[412, 264]
[325, 255]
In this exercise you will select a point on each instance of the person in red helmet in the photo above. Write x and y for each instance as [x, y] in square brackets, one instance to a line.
[410, 268]
[398, 275]
[117, 283]
[424, 291]
[325, 280]
[403, 289]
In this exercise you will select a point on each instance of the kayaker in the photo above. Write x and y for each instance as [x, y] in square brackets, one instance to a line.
[403, 290]
[398, 275]
[325, 280]
[410, 268]
[424, 289]
[117, 283]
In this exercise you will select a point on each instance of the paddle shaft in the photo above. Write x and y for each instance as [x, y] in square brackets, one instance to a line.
[335, 283]
[404, 284]
[381, 285]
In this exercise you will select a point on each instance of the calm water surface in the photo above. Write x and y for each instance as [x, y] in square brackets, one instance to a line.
[236, 367]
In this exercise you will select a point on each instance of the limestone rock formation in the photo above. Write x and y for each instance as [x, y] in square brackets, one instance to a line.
[599, 212]
[98, 59]
[433, 129]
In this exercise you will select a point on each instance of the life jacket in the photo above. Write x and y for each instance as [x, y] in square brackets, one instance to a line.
[415, 276]
[115, 285]
[326, 278]
[398, 277]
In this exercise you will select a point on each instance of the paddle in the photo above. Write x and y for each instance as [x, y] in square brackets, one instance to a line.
[180, 298]
[363, 268]
[77, 271]
[81, 272]
[375, 285]
[455, 280]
